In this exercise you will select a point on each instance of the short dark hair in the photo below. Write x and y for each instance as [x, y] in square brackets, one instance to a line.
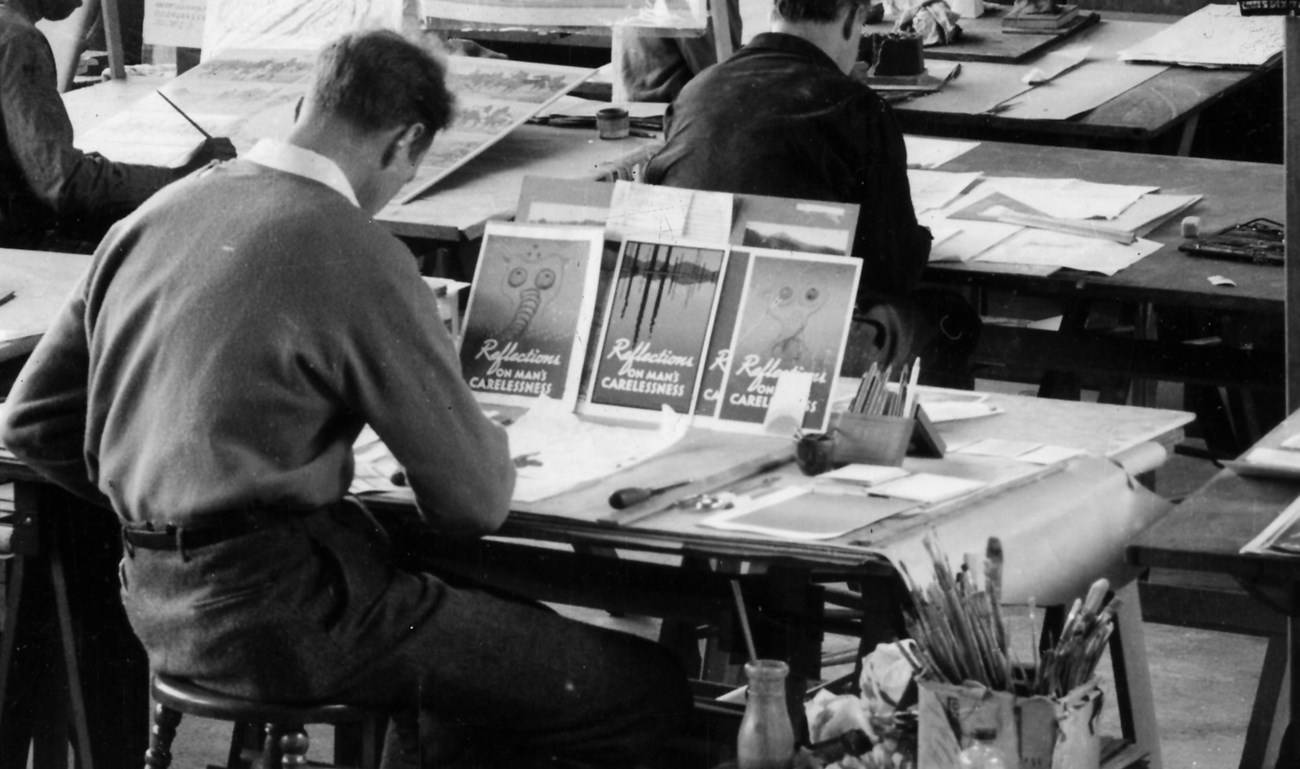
[378, 79]
[811, 10]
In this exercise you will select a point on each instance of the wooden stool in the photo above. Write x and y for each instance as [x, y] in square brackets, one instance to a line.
[285, 744]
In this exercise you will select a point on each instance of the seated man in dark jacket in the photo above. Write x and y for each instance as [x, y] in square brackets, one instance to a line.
[47, 184]
[782, 117]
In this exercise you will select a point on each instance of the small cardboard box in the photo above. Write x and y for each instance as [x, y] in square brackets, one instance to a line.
[871, 439]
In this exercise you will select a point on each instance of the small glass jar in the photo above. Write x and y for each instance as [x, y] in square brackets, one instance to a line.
[766, 738]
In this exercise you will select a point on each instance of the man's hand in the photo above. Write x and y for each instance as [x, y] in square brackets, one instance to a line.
[216, 148]
[461, 47]
[434, 41]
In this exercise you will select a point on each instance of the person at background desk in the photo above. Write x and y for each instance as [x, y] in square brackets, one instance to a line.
[782, 117]
[654, 68]
[53, 195]
[208, 380]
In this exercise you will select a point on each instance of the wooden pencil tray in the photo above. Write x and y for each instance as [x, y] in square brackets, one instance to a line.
[872, 439]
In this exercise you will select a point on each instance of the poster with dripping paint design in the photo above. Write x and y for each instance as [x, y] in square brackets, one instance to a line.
[655, 329]
[530, 312]
[794, 315]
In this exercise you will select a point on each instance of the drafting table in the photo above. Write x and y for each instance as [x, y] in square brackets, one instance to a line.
[567, 560]
[1233, 192]
[1204, 535]
[1159, 114]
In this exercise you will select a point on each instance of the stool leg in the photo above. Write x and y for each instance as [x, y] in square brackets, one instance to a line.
[271, 750]
[293, 747]
[165, 721]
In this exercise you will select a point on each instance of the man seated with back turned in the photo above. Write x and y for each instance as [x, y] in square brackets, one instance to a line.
[782, 117]
[53, 195]
[208, 379]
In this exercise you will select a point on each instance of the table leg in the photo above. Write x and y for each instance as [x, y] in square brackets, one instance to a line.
[69, 656]
[1290, 752]
[1128, 653]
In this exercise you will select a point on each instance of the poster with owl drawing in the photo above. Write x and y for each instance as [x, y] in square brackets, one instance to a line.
[530, 312]
[794, 315]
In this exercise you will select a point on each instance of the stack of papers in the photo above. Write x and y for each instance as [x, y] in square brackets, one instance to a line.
[1048, 223]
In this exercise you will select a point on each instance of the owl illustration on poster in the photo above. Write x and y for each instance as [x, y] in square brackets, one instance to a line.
[794, 316]
[530, 312]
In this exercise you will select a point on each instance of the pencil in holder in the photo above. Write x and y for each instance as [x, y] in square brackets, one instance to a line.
[871, 439]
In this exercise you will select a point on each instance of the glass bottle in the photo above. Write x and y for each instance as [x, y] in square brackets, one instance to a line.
[982, 753]
[766, 738]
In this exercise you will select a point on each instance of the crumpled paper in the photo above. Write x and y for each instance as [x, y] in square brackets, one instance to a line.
[887, 686]
[932, 20]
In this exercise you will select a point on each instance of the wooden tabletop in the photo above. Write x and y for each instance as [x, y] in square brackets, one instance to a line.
[1208, 529]
[40, 281]
[1140, 114]
[1233, 191]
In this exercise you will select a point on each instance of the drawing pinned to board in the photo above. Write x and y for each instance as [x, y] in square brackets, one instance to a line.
[494, 97]
[255, 93]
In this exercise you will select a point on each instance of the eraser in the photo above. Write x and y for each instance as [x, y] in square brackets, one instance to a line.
[1191, 226]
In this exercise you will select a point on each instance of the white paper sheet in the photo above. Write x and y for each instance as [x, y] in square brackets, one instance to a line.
[647, 212]
[927, 487]
[971, 238]
[925, 152]
[1214, 36]
[771, 516]
[1041, 247]
[555, 450]
[864, 475]
[936, 189]
[1049, 455]
[1001, 447]
[1067, 198]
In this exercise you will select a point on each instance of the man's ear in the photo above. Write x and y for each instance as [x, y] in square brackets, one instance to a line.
[402, 143]
[855, 18]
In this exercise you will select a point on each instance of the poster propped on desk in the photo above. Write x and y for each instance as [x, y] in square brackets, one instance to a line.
[545, 200]
[530, 311]
[793, 315]
[791, 224]
[656, 327]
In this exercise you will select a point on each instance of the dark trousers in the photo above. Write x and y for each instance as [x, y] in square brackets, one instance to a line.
[315, 609]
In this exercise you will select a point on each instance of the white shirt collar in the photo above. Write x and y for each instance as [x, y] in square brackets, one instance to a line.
[293, 159]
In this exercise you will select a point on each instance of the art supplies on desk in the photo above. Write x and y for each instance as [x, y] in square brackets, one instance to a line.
[530, 312]
[1258, 241]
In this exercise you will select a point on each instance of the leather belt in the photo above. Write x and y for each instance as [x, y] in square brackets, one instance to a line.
[225, 526]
